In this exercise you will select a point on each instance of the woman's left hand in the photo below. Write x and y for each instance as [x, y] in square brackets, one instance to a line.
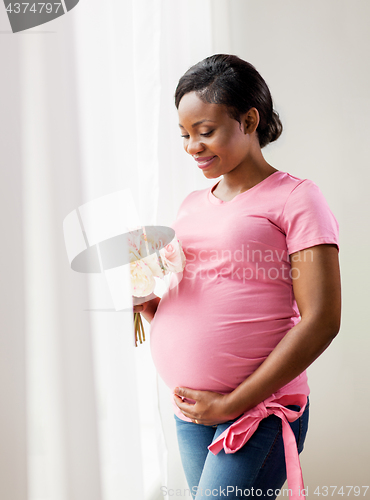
[210, 408]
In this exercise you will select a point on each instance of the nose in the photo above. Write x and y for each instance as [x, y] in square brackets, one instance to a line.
[193, 146]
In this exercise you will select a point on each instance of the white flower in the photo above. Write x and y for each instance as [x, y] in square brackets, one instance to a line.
[133, 241]
[154, 265]
[142, 280]
[133, 254]
[149, 260]
[156, 239]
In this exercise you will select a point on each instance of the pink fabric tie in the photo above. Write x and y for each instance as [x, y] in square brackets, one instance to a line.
[235, 436]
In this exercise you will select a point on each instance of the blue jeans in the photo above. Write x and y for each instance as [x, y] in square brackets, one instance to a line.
[256, 470]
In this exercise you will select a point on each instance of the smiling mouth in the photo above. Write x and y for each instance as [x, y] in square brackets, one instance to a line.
[203, 158]
[204, 162]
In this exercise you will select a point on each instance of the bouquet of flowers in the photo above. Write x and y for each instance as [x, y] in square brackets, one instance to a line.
[150, 258]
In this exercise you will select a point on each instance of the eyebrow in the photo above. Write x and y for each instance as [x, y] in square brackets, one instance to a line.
[198, 123]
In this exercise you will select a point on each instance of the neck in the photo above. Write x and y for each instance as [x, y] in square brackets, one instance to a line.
[252, 171]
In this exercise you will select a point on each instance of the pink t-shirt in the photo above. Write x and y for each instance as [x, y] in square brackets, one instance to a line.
[235, 301]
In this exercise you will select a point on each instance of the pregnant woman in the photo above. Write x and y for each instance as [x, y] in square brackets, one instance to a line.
[260, 296]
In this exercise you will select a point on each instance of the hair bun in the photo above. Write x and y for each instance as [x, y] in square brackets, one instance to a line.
[275, 127]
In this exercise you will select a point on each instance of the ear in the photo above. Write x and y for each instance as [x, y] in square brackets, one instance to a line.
[250, 121]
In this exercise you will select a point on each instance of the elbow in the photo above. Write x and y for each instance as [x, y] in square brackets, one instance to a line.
[332, 330]
[326, 326]
[333, 323]
[328, 334]
[329, 326]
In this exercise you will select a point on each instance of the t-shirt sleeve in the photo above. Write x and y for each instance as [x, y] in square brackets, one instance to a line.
[307, 219]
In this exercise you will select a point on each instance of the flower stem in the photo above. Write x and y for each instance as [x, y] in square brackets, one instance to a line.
[139, 329]
[135, 328]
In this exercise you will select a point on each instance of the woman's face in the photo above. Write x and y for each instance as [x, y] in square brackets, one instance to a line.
[217, 142]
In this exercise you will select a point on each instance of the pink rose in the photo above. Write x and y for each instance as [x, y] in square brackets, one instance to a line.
[173, 257]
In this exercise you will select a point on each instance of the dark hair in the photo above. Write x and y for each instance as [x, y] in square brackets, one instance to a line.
[227, 79]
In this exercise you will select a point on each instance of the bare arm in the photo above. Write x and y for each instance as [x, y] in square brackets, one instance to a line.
[316, 287]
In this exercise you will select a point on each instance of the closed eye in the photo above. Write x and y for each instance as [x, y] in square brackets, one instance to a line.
[206, 134]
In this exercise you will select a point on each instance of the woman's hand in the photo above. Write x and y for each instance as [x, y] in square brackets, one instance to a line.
[140, 308]
[210, 408]
[148, 309]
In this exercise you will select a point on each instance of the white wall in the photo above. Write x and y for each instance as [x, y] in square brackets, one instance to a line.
[314, 56]
[12, 319]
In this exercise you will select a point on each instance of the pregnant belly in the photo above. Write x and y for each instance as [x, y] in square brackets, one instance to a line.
[217, 356]
[200, 369]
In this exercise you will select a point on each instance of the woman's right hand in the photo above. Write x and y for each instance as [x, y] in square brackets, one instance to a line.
[141, 308]
[148, 309]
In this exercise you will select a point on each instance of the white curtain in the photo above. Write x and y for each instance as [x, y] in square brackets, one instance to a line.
[86, 110]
